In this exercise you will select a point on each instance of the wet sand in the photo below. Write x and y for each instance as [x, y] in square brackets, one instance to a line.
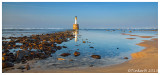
[131, 38]
[143, 61]
[138, 35]
[145, 36]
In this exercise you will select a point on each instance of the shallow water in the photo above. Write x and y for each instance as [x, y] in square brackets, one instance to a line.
[111, 45]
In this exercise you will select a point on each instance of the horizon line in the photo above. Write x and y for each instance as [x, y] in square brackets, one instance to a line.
[80, 28]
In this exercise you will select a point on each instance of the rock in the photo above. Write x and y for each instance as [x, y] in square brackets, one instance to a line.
[7, 64]
[48, 53]
[41, 55]
[60, 59]
[96, 56]
[21, 53]
[65, 54]
[91, 47]
[59, 47]
[64, 46]
[32, 55]
[58, 41]
[53, 51]
[27, 66]
[71, 60]
[9, 57]
[125, 58]
[4, 54]
[76, 53]
[84, 41]
[3, 58]
[24, 61]
[21, 67]
[12, 68]
[91, 65]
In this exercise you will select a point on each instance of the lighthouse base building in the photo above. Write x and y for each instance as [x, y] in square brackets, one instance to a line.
[75, 26]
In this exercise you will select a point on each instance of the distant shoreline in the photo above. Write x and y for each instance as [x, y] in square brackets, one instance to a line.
[89, 28]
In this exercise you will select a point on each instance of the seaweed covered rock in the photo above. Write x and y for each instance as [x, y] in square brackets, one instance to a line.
[65, 54]
[60, 59]
[7, 64]
[20, 54]
[76, 53]
[96, 56]
[35, 46]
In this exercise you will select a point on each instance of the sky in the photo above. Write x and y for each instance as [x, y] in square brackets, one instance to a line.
[90, 15]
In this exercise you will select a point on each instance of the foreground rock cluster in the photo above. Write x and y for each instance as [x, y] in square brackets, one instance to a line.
[35, 46]
[22, 49]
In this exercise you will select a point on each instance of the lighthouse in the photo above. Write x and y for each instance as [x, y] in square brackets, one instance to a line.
[76, 26]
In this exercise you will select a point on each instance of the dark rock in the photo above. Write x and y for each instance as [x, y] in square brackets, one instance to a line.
[59, 47]
[64, 46]
[65, 54]
[58, 41]
[125, 58]
[47, 53]
[96, 56]
[117, 48]
[12, 68]
[21, 53]
[41, 55]
[53, 51]
[32, 55]
[76, 53]
[3, 58]
[71, 60]
[7, 64]
[91, 65]
[24, 61]
[21, 67]
[27, 66]
[91, 47]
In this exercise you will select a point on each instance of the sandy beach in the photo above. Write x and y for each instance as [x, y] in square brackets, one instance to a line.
[143, 61]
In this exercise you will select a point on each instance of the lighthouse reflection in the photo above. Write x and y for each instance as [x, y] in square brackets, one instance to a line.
[76, 35]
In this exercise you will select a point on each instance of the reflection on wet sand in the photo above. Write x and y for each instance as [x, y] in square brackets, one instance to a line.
[76, 32]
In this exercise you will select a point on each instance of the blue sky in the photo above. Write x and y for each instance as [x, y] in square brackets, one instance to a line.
[90, 14]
